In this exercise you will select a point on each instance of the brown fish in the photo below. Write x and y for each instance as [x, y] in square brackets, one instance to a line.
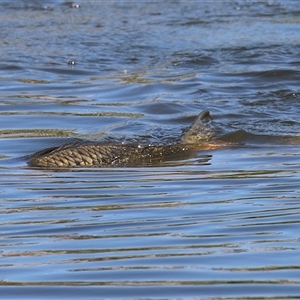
[96, 154]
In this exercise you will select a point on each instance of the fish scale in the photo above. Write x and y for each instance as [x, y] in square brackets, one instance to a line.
[97, 154]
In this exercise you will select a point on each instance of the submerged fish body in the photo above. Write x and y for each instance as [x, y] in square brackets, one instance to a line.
[97, 154]
[108, 155]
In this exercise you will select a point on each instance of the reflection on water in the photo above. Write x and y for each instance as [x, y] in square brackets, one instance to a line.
[218, 224]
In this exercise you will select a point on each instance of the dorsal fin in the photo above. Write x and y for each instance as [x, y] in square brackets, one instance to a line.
[199, 131]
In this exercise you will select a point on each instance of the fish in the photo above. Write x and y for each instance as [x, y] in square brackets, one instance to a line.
[196, 137]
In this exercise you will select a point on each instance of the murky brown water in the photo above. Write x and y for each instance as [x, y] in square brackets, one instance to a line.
[219, 224]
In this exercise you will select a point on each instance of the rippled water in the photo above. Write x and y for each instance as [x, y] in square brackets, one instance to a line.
[220, 224]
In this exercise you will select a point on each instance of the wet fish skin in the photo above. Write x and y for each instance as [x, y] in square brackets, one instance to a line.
[97, 154]
[94, 154]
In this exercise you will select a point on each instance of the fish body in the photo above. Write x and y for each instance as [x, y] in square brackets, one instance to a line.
[97, 154]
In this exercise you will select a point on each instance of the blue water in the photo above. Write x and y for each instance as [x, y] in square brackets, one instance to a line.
[221, 224]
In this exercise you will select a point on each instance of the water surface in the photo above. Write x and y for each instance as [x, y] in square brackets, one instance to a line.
[221, 224]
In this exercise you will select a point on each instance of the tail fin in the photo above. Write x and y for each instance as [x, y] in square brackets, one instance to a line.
[199, 131]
